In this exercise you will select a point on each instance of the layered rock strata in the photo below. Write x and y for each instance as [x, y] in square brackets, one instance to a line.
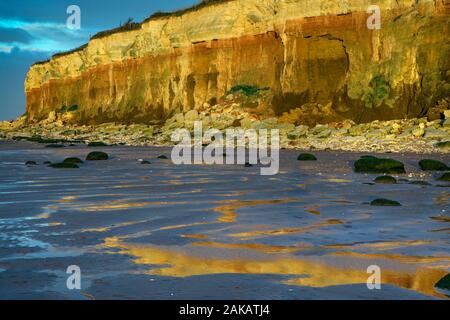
[301, 51]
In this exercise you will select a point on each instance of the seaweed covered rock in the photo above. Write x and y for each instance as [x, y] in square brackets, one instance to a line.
[443, 145]
[432, 165]
[306, 157]
[73, 160]
[385, 202]
[444, 283]
[385, 180]
[63, 165]
[370, 164]
[96, 156]
[445, 177]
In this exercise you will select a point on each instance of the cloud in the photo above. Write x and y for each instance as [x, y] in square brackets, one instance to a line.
[40, 36]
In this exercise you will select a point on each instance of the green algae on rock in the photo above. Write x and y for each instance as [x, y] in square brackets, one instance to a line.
[73, 160]
[445, 177]
[385, 202]
[443, 145]
[96, 156]
[385, 180]
[306, 157]
[444, 283]
[432, 165]
[370, 164]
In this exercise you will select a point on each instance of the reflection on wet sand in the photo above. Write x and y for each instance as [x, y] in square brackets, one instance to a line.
[380, 245]
[67, 199]
[313, 209]
[283, 231]
[179, 226]
[393, 257]
[175, 262]
[194, 236]
[253, 246]
[443, 198]
[229, 211]
[121, 205]
[441, 218]
[108, 228]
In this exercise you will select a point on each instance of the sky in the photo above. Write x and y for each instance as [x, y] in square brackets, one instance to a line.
[34, 30]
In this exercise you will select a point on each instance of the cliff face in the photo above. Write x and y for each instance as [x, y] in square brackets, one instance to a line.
[302, 50]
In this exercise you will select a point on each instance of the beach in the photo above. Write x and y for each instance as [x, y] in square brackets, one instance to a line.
[162, 231]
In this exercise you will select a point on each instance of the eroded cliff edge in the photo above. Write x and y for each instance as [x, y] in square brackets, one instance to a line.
[303, 51]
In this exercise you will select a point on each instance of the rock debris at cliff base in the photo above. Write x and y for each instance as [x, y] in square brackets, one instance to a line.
[409, 135]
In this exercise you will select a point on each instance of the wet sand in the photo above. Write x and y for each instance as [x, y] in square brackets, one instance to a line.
[161, 231]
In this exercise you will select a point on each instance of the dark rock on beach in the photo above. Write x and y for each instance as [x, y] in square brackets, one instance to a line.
[444, 283]
[443, 145]
[306, 157]
[385, 202]
[385, 180]
[445, 177]
[63, 165]
[432, 165]
[73, 160]
[369, 164]
[97, 155]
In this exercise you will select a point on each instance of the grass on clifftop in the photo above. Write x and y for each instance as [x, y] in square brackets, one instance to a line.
[177, 13]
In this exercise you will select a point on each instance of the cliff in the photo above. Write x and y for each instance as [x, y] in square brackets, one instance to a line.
[303, 51]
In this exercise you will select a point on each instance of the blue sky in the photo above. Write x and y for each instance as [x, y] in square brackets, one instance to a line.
[33, 30]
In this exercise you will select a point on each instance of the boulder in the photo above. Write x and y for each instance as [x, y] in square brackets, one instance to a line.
[306, 157]
[370, 164]
[73, 160]
[445, 177]
[385, 202]
[443, 145]
[444, 283]
[432, 165]
[191, 115]
[63, 165]
[385, 180]
[97, 155]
